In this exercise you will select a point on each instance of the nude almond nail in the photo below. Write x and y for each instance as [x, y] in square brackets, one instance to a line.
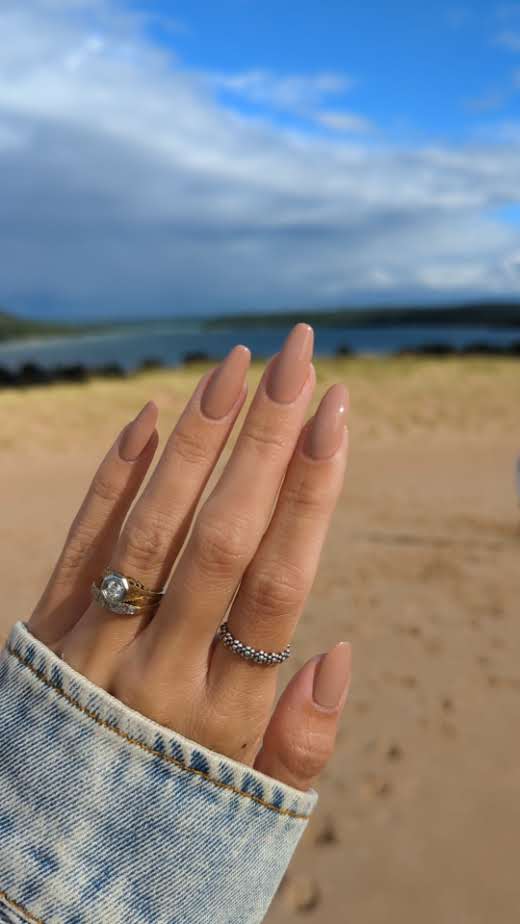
[225, 385]
[325, 431]
[137, 433]
[291, 367]
[332, 677]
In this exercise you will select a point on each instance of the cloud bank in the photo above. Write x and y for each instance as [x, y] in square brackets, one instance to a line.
[128, 185]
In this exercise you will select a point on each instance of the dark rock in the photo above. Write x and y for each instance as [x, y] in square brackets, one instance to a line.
[32, 374]
[7, 378]
[111, 371]
[195, 356]
[72, 373]
[150, 364]
[436, 349]
[344, 350]
[481, 348]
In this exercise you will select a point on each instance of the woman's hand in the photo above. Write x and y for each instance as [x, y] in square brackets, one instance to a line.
[253, 551]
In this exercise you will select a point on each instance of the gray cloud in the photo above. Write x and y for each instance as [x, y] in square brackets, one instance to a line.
[126, 186]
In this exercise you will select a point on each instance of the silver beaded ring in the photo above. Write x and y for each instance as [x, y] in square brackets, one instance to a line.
[257, 655]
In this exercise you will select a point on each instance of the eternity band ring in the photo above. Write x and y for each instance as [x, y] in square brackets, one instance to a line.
[257, 655]
[122, 594]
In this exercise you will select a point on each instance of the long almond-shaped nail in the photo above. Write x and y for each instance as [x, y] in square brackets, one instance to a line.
[137, 433]
[325, 431]
[332, 676]
[225, 385]
[291, 367]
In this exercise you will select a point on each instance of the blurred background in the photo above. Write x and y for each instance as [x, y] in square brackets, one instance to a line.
[179, 177]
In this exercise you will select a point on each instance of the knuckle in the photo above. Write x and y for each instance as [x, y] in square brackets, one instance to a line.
[275, 590]
[220, 544]
[189, 446]
[306, 755]
[263, 437]
[78, 547]
[306, 500]
[146, 539]
[105, 487]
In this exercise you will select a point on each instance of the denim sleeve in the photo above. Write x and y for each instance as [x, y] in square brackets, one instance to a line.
[109, 818]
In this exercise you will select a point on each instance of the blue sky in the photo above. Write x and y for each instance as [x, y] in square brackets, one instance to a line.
[163, 158]
[417, 71]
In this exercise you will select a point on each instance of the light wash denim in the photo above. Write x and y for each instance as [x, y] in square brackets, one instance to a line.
[109, 818]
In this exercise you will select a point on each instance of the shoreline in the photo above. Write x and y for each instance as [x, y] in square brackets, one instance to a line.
[32, 374]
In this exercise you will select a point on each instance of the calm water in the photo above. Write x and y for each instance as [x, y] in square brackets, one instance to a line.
[168, 345]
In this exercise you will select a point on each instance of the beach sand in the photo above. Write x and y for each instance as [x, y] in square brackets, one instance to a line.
[419, 811]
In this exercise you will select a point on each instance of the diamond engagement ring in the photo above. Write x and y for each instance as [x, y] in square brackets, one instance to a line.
[257, 655]
[123, 595]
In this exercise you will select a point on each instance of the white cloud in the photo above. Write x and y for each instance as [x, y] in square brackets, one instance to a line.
[126, 185]
[292, 93]
[299, 95]
[343, 121]
[92, 45]
[508, 10]
[490, 101]
[509, 39]
[459, 16]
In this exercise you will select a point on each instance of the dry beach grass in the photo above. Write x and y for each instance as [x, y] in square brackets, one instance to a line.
[419, 812]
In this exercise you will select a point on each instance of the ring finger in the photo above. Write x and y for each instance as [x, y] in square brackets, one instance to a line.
[157, 525]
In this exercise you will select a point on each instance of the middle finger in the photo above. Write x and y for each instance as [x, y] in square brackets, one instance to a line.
[233, 519]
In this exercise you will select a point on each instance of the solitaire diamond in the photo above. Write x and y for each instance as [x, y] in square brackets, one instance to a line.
[113, 589]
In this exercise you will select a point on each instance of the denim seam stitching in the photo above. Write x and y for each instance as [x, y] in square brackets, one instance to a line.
[146, 747]
[17, 907]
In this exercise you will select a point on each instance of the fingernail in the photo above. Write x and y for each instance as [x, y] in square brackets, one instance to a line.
[291, 367]
[325, 431]
[332, 676]
[137, 433]
[225, 385]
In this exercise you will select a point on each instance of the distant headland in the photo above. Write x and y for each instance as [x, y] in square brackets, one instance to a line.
[476, 314]
[13, 327]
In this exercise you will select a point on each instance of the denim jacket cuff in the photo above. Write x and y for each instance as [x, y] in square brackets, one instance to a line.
[107, 817]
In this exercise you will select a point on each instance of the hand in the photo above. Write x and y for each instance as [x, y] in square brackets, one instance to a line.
[253, 550]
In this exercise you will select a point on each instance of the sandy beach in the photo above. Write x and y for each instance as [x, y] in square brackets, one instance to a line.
[419, 812]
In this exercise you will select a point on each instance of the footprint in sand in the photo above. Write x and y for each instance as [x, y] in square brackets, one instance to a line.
[327, 833]
[395, 753]
[434, 646]
[449, 729]
[299, 893]
[373, 788]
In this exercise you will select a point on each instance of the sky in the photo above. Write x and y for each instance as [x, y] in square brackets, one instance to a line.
[161, 159]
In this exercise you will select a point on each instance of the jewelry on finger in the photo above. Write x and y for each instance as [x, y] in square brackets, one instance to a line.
[122, 594]
[257, 655]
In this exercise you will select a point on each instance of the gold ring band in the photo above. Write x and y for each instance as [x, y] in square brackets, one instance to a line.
[122, 594]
